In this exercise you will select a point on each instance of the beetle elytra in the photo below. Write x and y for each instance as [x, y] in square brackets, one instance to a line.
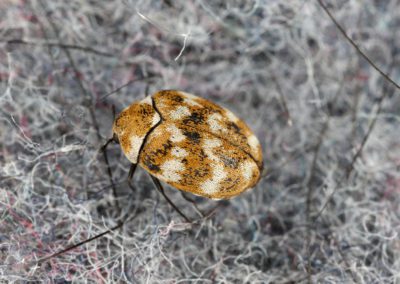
[190, 143]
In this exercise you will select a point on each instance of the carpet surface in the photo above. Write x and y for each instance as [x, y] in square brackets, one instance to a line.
[326, 209]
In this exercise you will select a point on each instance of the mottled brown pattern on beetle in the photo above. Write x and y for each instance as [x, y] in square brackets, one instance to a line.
[198, 167]
[197, 146]
[236, 132]
[135, 120]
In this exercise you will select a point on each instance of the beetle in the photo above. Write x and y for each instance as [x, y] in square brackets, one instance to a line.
[189, 143]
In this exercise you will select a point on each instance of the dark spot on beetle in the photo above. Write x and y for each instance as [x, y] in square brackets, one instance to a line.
[232, 125]
[151, 166]
[171, 95]
[233, 185]
[202, 155]
[164, 150]
[146, 109]
[192, 136]
[184, 161]
[177, 99]
[201, 172]
[188, 179]
[229, 161]
[194, 117]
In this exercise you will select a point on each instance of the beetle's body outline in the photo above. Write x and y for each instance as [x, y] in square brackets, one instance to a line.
[190, 143]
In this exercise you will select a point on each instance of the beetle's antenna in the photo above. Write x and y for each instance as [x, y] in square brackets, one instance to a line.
[148, 79]
[161, 189]
[119, 88]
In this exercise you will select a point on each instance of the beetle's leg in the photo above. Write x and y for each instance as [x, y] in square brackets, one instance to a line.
[120, 224]
[187, 198]
[104, 147]
[132, 170]
[161, 189]
[204, 216]
[104, 150]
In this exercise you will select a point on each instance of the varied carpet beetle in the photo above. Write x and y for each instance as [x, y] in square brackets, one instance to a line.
[190, 143]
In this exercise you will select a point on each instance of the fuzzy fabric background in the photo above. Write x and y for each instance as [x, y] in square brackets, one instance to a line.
[327, 209]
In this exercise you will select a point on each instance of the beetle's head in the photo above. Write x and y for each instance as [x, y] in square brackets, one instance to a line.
[133, 124]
